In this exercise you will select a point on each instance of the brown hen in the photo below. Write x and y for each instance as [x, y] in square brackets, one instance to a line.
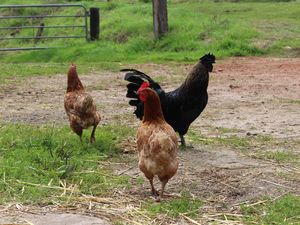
[79, 106]
[156, 142]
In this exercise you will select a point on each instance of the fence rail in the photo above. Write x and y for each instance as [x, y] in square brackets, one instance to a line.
[26, 27]
[85, 14]
[39, 16]
[44, 37]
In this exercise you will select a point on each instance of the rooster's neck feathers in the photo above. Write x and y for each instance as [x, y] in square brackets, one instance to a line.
[152, 108]
[199, 76]
[197, 79]
[74, 83]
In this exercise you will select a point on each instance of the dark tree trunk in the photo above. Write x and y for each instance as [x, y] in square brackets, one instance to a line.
[160, 17]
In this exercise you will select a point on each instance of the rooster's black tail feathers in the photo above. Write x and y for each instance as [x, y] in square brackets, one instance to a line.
[207, 60]
[134, 74]
[136, 78]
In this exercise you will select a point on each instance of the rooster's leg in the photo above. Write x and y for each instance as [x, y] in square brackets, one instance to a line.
[163, 185]
[154, 192]
[93, 134]
[182, 140]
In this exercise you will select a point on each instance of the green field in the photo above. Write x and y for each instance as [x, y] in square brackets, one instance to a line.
[225, 28]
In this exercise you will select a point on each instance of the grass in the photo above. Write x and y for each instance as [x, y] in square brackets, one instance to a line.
[295, 102]
[224, 28]
[280, 156]
[232, 141]
[175, 207]
[35, 158]
[47, 164]
[17, 71]
[285, 211]
[258, 146]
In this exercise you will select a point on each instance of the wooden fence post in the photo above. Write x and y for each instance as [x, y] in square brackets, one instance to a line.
[94, 23]
[160, 17]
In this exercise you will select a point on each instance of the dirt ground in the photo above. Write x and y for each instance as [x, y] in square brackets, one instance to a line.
[257, 95]
[247, 96]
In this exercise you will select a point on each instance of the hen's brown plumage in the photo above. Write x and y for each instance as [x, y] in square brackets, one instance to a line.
[157, 143]
[79, 106]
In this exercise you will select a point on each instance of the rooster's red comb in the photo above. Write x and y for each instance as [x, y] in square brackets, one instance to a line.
[144, 86]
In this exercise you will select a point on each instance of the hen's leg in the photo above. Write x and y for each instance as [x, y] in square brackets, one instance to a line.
[163, 185]
[77, 129]
[92, 139]
[154, 192]
[182, 140]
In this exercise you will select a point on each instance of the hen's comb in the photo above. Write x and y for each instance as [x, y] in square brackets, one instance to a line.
[144, 86]
[73, 65]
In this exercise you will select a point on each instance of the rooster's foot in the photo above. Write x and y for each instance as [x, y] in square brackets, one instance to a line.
[157, 199]
[182, 140]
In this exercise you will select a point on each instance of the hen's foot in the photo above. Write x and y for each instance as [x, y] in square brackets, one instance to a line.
[92, 140]
[155, 193]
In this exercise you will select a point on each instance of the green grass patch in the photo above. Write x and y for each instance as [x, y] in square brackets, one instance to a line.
[225, 130]
[232, 141]
[281, 151]
[174, 207]
[36, 160]
[284, 211]
[23, 70]
[280, 156]
[195, 27]
[294, 102]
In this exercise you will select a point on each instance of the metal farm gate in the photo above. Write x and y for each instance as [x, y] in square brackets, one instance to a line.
[13, 31]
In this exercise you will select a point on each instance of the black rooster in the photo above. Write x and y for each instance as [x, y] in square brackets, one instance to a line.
[181, 106]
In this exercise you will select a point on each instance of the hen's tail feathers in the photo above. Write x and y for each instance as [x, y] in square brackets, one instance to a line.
[84, 105]
[87, 104]
[207, 60]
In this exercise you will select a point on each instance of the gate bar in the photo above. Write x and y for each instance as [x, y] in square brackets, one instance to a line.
[43, 5]
[55, 5]
[25, 27]
[29, 48]
[41, 37]
[39, 16]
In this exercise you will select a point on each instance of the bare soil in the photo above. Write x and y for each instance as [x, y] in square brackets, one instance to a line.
[247, 96]
[257, 95]
[51, 219]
